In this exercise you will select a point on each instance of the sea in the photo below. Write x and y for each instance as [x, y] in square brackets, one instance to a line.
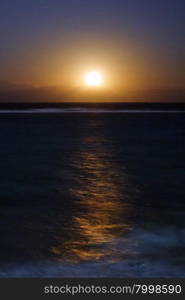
[92, 190]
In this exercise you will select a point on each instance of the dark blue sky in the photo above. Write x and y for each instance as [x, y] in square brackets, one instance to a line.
[45, 40]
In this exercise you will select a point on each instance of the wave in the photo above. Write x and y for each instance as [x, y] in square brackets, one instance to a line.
[83, 110]
[145, 253]
[95, 270]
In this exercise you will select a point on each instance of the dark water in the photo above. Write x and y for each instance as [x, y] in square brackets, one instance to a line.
[92, 194]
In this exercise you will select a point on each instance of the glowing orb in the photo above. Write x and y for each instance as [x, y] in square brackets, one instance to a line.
[93, 79]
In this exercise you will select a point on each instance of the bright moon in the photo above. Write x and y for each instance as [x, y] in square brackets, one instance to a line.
[93, 79]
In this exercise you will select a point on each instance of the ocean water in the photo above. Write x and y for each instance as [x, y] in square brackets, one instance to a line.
[92, 191]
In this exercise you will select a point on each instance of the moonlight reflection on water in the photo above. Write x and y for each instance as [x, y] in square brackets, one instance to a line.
[99, 215]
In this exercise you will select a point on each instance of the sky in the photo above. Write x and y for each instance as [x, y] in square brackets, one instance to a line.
[137, 45]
